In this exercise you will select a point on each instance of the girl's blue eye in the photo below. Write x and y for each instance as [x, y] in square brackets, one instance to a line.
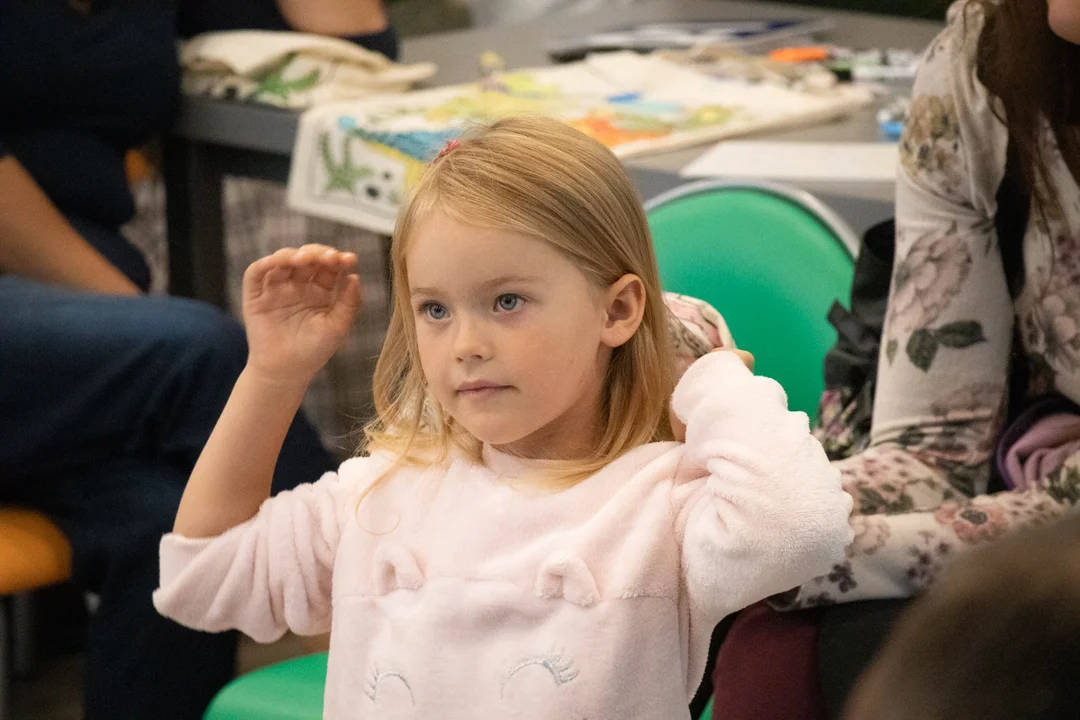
[435, 311]
[508, 302]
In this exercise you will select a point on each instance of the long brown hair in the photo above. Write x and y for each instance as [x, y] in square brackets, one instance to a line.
[544, 179]
[1036, 76]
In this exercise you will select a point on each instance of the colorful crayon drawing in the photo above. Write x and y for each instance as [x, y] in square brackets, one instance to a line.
[356, 161]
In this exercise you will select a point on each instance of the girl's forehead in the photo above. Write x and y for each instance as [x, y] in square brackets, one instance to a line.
[444, 247]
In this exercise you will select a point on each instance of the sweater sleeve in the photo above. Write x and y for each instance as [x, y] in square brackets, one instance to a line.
[773, 513]
[271, 574]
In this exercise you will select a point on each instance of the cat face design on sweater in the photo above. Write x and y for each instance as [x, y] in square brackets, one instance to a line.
[528, 684]
[560, 669]
[532, 682]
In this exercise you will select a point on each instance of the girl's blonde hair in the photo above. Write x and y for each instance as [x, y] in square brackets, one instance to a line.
[541, 178]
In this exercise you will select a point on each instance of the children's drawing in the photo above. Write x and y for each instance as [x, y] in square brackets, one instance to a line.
[356, 161]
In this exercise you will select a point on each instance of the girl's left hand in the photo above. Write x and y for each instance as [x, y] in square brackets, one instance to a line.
[678, 428]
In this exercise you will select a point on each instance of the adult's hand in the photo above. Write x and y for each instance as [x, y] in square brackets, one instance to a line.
[335, 17]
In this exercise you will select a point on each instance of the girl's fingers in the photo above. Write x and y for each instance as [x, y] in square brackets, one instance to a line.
[275, 268]
[747, 358]
[282, 256]
[328, 275]
[306, 273]
[326, 278]
[253, 276]
[316, 249]
[305, 264]
[351, 296]
[678, 428]
[277, 275]
[332, 266]
[292, 264]
[348, 299]
[347, 259]
[316, 263]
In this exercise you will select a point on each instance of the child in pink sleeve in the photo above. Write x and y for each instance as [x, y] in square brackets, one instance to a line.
[530, 533]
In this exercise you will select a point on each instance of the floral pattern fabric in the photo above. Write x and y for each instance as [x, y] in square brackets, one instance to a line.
[919, 478]
[696, 328]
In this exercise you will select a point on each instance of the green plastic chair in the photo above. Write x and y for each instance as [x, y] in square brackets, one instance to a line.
[290, 690]
[772, 259]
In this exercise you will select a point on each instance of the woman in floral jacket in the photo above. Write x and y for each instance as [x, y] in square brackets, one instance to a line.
[1004, 77]
[943, 374]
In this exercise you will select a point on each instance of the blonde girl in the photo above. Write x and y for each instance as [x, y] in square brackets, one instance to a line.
[527, 535]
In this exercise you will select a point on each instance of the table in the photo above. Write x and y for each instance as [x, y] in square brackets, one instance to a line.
[214, 138]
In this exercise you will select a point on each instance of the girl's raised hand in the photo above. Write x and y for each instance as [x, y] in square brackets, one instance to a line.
[298, 305]
[677, 426]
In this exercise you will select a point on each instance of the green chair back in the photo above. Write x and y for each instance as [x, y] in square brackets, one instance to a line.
[772, 259]
[290, 690]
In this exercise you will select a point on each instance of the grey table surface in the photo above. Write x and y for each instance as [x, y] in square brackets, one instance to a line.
[212, 138]
[457, 54]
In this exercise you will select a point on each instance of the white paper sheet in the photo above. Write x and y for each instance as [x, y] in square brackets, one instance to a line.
[835, 162]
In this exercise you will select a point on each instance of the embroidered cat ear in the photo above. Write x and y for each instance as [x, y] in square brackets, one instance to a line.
[395, 568]
[566, 576]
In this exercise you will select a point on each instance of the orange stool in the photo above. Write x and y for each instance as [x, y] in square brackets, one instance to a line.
[33, 554]
[139, 167]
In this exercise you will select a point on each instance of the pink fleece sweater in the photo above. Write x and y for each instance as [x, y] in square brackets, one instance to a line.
[452, 595]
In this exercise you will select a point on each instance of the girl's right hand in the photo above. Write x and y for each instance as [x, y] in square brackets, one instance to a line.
[678, 428]
[298, 305]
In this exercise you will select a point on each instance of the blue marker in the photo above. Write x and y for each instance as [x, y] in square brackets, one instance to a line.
[891, 129]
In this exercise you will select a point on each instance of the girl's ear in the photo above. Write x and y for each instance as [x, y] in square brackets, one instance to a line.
[623, 310]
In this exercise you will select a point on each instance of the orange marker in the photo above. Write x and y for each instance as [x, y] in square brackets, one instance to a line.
[800, 54]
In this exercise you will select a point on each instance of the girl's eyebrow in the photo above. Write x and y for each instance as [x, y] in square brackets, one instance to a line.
[486, 285]
[508, 279]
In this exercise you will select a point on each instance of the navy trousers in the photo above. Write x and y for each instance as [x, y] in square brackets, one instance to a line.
[105, 404]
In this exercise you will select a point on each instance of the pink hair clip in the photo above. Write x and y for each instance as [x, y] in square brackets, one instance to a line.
[447, 149]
